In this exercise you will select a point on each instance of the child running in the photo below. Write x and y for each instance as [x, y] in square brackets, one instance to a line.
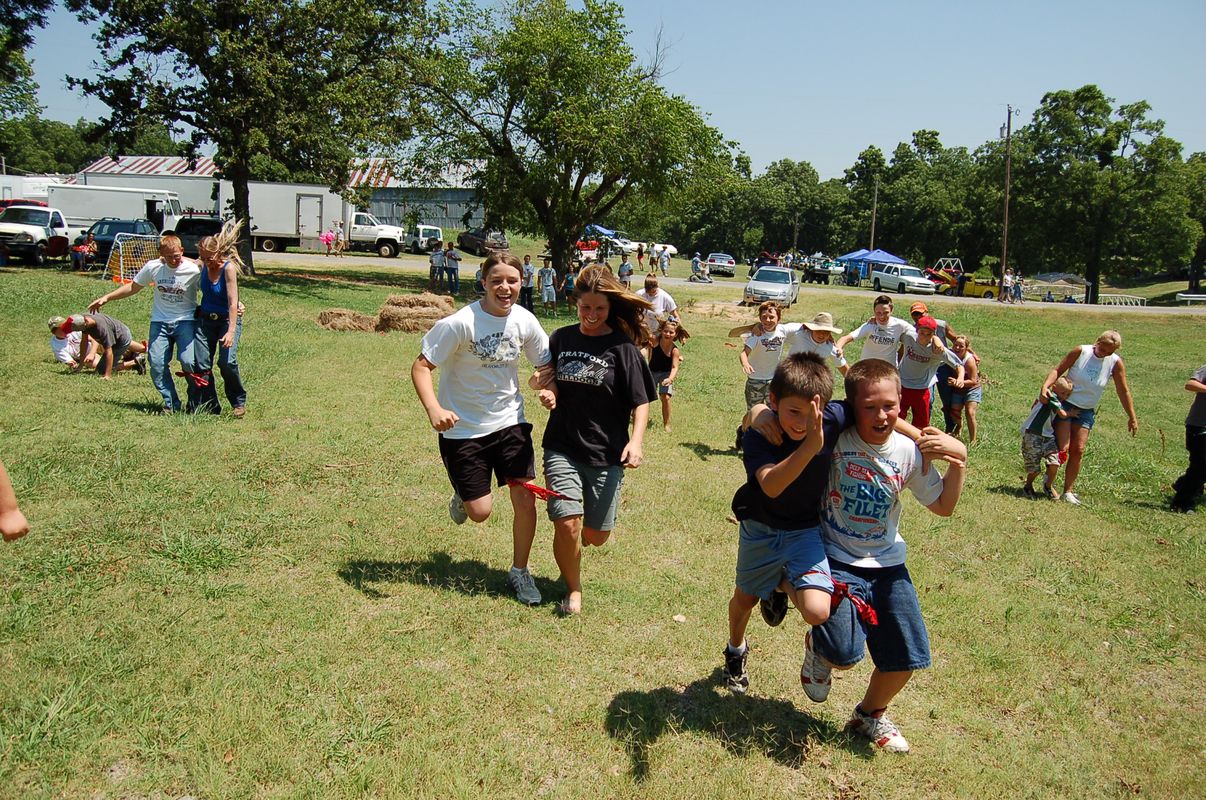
[922, 352]
[479, 410]
[780, 553]
[1039, 448]
[759, 358]
[870, 468]
[882, 332]
[664, 360]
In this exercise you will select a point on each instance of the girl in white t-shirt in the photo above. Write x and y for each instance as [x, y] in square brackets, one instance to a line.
[759, 357]
[479, 409]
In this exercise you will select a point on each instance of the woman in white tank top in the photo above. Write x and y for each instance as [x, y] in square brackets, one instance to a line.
[1090, 367]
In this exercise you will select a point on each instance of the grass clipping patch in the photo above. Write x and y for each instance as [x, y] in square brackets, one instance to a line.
[409, 313]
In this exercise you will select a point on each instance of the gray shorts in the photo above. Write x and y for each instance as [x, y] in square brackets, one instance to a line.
[658, 377]
[119, 350]
[756, 392]
[592, 493]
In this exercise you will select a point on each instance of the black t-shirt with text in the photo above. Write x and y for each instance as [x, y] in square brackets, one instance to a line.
[600, 380]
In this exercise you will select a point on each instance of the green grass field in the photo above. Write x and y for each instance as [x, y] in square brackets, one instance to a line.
[280, 607]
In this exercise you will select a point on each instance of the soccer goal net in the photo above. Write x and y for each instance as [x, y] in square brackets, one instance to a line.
[130, 251]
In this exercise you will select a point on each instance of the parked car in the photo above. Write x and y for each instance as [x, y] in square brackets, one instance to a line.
[106, 230]
[972, 287]
[721, 264]
[192, 230]
[772, 283]
[823, 270]
[424, 238]
[480, 241]
[903, 279]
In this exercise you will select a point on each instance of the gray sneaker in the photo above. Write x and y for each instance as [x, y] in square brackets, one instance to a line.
[524, 586]
[456, 509]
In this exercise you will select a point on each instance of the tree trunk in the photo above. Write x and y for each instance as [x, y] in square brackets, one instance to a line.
[561, 248]
[238, 173]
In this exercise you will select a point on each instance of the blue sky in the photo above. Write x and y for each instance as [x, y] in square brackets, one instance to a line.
[820, 81]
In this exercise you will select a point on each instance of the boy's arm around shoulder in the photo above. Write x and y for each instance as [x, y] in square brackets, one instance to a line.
[952, 482]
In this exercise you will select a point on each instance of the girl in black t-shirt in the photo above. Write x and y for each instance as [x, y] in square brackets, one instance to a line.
[601, 381]
[664, 359]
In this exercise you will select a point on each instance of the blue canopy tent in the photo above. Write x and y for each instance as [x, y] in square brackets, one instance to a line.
[598, 230]
[863, 258]
[855, 265]
[878, 256]
[854, 256]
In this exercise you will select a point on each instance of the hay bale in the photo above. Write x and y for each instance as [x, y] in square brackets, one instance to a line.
[439, 302]
[408, 320]
[343, 319]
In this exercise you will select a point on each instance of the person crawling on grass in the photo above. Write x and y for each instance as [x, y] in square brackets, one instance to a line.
[478, 412]
[1039, 448]
[870, 468]
[116, 349]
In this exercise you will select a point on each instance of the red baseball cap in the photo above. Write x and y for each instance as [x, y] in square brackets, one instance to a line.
[928, 323]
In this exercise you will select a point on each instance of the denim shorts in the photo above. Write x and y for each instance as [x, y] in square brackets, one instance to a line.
[1084, 417]
[975, 395]
[658, 377]
[592, 493]
[766, 555]
[756, 391]
[899, 643]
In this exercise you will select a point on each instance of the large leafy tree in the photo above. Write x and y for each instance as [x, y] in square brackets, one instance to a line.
[19, 19]
[19, 95]
[549, 111]
[33, 144]
[296, 83]
[1102, 190]
[792, 194]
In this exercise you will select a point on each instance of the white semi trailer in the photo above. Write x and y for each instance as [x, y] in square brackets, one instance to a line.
[84, 205]
[295, 214]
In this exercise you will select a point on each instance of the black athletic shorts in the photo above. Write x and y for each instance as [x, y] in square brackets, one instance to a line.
[507, 453]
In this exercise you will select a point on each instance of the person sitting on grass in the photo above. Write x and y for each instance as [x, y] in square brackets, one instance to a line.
[1039, 448]
[116, 349]
[479, 410]
[65, 344]
[871, 467]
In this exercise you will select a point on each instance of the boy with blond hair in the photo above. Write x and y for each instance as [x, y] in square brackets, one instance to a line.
[870, 468]
[1039, 448]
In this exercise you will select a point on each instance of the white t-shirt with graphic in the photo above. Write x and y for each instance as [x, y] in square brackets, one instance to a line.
[175, 289]
[882, 340]
[799, 340]
[765, 351]
[919, 365]
[860, 519]
[478, 357]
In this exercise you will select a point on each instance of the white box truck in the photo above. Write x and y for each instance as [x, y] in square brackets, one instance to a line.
[295, 215]
[84, 205]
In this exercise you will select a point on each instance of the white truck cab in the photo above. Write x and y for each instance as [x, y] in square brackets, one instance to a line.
[365, 232]
[27, 230]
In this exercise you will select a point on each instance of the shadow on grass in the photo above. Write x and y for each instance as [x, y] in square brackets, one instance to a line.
[705, 451]
[745, 725]
[1010, 490]
[154, 407]
[438, 571]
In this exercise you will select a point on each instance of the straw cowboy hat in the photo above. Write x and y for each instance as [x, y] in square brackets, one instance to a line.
[822, 322]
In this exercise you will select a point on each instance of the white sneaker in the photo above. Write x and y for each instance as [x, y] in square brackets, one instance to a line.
[815, 675]
[456, 509]
[880, 730]
[1071, 498]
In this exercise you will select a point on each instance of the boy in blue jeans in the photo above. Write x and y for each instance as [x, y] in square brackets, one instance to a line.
[869, 470]
[780, 554]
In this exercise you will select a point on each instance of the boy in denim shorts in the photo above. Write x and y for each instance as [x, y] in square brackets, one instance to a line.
[759, 356]
[869, 470]
[780, 553]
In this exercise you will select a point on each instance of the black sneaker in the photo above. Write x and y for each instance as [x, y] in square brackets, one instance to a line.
[734, 670]
[740, 433]
[1028, 491]
[775, 609]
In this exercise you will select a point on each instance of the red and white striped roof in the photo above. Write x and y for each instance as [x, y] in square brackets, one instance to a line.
[152, 165]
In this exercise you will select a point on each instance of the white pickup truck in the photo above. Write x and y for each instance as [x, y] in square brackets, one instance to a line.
[903, 279]
[27, 232]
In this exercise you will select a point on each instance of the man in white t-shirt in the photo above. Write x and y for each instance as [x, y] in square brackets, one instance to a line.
[662, 304]
[478, 411]
[882, 332]
[176, 281]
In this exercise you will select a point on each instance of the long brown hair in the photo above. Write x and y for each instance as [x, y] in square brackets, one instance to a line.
[626, 311]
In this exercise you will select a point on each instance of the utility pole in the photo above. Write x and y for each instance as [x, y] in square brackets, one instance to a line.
[874, 208]
[1005, 228]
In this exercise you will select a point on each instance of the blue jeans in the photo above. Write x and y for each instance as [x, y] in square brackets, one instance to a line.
[163, 336]
[898, 643]
[209, 331]
[452, 280]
